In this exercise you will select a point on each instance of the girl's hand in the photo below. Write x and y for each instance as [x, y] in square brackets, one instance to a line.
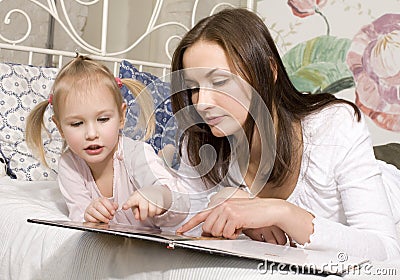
[100, 210]
[149, 202]
[272, 234]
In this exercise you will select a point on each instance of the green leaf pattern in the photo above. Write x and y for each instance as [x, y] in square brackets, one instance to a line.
[319, 65]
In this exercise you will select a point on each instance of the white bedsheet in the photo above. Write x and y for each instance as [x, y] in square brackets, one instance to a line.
[32, 251]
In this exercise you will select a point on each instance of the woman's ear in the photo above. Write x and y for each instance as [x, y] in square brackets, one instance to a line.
[123, 115]
[54, 119]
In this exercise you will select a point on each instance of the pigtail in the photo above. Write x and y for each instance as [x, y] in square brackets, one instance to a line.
[34, 126]
[146, 118]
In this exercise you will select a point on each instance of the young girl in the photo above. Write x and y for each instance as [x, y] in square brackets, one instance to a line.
[305, 171]
[103, 174]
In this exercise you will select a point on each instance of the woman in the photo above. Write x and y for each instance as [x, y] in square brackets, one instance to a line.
[304, 172]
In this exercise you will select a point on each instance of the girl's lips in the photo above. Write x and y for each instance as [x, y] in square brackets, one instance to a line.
[214, 120]
[94, 150]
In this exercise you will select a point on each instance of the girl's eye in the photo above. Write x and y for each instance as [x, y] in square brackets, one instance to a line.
[76, 124]
[105, 119]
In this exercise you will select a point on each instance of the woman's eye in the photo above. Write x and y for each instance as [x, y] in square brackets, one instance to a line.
[76, 124]
[220, 82]
[105, 119]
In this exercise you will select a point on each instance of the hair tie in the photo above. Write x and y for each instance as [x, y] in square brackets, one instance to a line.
[50, 99]
[119, 82]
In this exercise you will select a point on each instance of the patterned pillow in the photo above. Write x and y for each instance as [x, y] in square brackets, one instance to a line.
[21, 88]
[165, 122]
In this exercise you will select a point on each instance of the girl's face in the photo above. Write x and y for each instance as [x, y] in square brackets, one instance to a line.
[220, 97]
[90, 124]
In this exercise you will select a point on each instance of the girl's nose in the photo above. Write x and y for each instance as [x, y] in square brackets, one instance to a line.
[91, 131]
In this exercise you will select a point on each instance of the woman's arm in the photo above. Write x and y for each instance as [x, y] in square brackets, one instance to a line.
[368, 229]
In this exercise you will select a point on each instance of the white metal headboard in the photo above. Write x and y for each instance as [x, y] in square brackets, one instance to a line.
[58, 11]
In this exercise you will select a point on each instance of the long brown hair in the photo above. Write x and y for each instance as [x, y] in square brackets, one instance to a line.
[76, 77]
[253, 55]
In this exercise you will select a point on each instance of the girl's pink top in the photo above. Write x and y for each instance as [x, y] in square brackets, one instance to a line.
[135, 166]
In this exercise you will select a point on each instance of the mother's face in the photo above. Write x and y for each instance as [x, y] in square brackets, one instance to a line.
[220, 97]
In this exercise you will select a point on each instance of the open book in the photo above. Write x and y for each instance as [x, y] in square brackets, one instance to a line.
[269, 255]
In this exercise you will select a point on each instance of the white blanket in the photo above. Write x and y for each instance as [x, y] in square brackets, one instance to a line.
[32, 251]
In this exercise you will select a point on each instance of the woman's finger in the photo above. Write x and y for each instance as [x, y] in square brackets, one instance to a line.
[194, 221]
[291, 242]
[268, 237]
[214, 224]
[255, 234]
[279, 236]
[230, 231]
[262, 234]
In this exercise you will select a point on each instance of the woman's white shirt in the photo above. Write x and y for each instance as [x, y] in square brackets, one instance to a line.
[346, 188]
[350, 193]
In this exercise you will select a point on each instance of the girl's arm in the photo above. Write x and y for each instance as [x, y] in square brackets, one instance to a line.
[72, 186]
[149, 202]
[146, 169]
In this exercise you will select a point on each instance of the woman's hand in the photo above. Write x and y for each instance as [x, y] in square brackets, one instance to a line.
[225, 194]
[232, 216]
[149, 202]
[272, 234]
[100, 210]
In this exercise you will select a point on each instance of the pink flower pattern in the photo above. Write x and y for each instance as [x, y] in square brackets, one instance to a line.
[305, 8]
[374, 60]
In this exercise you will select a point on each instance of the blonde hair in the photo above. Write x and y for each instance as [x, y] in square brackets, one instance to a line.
[80, 75]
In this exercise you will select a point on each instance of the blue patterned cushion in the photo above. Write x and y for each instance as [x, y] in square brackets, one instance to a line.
[21, 88]
[165, 122]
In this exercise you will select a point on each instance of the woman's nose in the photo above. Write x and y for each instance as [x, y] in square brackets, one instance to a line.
[204, 100]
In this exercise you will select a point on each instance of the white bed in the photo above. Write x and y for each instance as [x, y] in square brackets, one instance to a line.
[31, 251]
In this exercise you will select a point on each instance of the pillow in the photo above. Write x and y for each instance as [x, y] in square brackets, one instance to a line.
[3, 166]
[389, 153]
[21, 88]
[165, 122]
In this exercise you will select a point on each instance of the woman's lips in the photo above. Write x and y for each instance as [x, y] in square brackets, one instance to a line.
[214, 120]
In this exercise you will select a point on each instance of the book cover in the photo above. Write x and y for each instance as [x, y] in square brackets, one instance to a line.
[324, 262]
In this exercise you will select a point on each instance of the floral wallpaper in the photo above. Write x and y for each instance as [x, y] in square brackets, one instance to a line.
[350, 48]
